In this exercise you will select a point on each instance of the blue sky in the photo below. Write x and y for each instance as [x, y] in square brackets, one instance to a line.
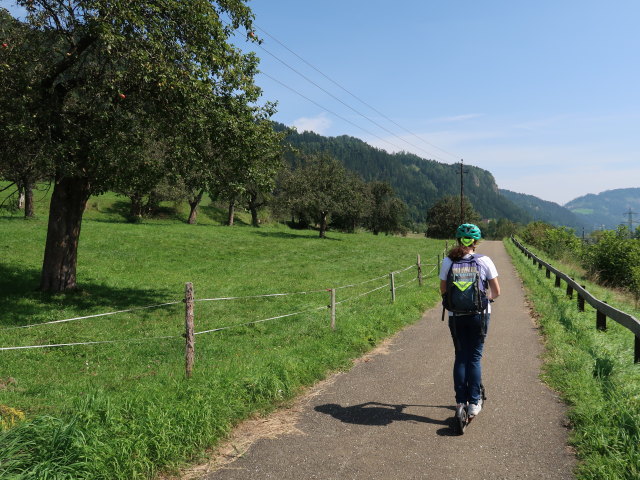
[545, 95]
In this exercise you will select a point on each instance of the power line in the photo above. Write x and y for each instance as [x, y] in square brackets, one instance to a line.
[330, 111]
[356, 97]
[343, 103]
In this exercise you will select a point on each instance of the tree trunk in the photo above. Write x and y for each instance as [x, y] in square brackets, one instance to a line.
[68, 202]
[232, 209]
[21, 198]
[323, 225]
[29, 207]
[153, 204]
[135, 209]
[253, 208]
[193, 204]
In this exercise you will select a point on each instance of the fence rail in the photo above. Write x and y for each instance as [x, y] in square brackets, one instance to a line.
[603, 309]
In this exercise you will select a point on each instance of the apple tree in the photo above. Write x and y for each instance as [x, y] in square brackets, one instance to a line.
[117, 77]
[316, 190]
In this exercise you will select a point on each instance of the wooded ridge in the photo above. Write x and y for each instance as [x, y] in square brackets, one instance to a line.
[420, 182]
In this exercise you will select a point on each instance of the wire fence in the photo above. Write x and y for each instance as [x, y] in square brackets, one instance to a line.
[189, 301]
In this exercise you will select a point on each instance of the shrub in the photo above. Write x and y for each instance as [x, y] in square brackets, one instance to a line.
[561, 243]
[614, 260]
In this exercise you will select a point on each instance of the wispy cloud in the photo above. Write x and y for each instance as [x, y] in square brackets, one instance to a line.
[457, 118]
[318, 124]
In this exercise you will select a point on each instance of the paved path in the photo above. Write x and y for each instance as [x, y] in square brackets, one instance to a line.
[391, 417]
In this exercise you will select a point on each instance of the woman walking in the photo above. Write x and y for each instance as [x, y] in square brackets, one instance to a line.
[468, 284]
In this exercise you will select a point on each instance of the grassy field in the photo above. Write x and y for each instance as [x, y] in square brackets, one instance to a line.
[124, 410]
[593, 371]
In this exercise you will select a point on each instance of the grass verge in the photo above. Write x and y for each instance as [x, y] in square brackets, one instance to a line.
[593, 371]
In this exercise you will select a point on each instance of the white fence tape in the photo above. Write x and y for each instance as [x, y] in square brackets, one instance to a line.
[260, 321]
[407, 283]
[92, 316]
[258, 296]
[51, 345]
[363, 294]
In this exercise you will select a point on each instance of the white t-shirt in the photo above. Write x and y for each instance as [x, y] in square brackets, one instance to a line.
[486, 266]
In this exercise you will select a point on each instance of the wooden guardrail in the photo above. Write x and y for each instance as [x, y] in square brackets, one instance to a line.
[603, 310]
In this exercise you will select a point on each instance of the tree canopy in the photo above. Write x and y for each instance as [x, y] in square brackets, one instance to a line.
[120, 95]
[444, 217]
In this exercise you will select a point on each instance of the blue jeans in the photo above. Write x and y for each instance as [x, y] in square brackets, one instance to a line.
[468, 333]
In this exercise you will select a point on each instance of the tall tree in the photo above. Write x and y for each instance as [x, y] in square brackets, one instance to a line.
[444, 217]
[387, 213]
[356, 204]
[263, 154]
[250, 160]
[114, 74]
[316, 190]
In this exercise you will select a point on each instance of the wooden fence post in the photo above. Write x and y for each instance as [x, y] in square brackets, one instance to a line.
[601, 321]
[581, 301]
[548, 273]
[636, 352]
[188, 335]
[557, 284]
[392, 280]
[333, 309]
[419, 271]
[569, 291]
[438, 264]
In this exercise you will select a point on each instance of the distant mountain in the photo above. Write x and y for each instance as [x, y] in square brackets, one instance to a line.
[608, 209]
[548, 212]
[417, 181]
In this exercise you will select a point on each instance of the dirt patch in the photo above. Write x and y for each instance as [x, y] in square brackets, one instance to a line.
[7, 382]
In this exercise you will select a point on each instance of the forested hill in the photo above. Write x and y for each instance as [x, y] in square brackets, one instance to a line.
[417, 181]
[548, 212]
[607, 209]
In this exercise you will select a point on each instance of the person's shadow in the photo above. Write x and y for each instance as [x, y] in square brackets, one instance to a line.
[377, 414]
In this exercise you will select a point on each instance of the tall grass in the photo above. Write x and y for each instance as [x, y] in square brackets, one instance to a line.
[593, 371]
[124, 410]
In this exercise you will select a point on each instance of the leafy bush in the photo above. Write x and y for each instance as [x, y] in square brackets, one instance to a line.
[613, 259]
[534, 232]
[559, 243]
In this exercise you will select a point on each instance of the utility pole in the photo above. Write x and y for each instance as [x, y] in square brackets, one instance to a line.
[462, 172]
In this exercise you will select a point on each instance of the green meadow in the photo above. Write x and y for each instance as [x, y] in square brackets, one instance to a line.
[124, 409]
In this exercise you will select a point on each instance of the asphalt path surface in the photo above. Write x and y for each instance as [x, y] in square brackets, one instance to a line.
[392, 416]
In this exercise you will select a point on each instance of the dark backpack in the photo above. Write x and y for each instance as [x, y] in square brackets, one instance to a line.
[466, 292]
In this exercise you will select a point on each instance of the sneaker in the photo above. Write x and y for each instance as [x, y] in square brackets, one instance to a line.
[474, 408]
[460, 409]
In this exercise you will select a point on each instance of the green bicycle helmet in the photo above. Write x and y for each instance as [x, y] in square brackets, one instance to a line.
[468, 233]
